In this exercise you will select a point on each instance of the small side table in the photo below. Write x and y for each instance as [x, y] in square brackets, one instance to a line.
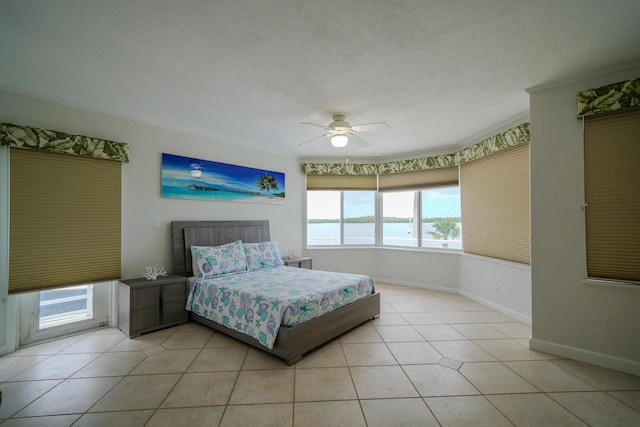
[148, 305]
[300, 262]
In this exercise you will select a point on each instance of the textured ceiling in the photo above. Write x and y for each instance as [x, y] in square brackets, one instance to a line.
[441, 73]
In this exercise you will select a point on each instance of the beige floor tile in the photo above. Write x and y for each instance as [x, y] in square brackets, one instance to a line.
[462, 351]
[97, 343]
[389, 319]
[603, 378]
[188, 338]
[50, 347]
[386, 308]
[508, 349]
[495, 378]
[11, 366]
[548, 377]
[459, 317]
[110, 419]
[143, 342]
[222, 340]
[395, 299]
[276, 415]
[166, 362]
[58, 366]
[219, 359]
[437, 380]
[338, 414]
[629, 398]
[137, 392]
[413, 353]
[316, 384]
[513, 329]
[70, 396]
[112, 364]
[201, 389]
[53, 421]
[17, 395]
[398, 333]
[258, 359]
[471, 411]
[412, 307]
[397, 412]
[208, 416]
[361, 334]
[422, 319]
[378, 382]
[367, 354]
[329, 355]
[438, 332]
[264, 386]
[533, 410]
[598, 408]
[478, 331]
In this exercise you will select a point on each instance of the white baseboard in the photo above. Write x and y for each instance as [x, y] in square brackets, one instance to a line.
[415, 285]
[504, 310]
[587, 356]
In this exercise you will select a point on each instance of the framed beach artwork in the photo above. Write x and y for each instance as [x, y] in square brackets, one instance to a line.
[188, 178]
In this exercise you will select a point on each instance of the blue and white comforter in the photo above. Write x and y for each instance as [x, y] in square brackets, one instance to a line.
[258, 302]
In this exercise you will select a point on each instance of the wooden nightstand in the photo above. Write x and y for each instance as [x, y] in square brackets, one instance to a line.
[147, 305]
[301, 262]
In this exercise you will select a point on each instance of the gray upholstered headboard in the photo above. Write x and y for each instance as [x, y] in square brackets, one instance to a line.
[185, 234]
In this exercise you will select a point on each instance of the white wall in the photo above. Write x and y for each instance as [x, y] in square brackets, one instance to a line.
[572, 317]
[141, 200]
[502, 285]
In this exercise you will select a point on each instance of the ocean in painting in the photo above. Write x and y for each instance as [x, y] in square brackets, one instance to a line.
[189, 178]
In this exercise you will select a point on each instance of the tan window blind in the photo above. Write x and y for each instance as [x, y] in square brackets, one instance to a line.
[612, 195]
[64, 220]
[494, 192]
[342, 182]
[419, 179]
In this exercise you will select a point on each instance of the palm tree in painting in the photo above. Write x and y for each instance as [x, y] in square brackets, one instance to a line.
[267, 182]
[445, 228]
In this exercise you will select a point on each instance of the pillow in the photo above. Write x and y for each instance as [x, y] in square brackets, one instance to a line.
[213, 261]
[262, 255]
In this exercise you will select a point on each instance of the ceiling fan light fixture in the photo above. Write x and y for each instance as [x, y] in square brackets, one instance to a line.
[339, 140]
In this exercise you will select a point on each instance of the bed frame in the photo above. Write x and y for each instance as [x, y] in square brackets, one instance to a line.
[292, 342]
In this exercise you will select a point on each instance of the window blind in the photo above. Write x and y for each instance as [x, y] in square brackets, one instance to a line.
[342, 182]
[494, 192]
[64, 220]
[420, 179]
[612, 195]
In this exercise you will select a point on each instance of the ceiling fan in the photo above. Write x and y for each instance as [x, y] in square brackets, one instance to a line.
[341, 131]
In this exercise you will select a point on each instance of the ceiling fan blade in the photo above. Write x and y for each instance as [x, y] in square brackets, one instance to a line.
[313, 124]
[359, 141]
[313, 139]
[371, 126]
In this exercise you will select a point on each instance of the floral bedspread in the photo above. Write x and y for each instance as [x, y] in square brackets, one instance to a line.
[258, 302]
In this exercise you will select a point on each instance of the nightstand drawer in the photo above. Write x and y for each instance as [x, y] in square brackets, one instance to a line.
[145, 297]
[174, 292]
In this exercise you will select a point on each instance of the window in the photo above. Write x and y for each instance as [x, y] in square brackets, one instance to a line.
[612, 185]
[425, 218]
[65, 305]
[340, 218]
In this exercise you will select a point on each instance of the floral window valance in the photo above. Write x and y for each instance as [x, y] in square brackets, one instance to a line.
[512, 137]
[60, 142]
[613, 97]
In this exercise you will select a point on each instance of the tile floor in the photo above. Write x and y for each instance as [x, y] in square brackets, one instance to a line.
[431, 359]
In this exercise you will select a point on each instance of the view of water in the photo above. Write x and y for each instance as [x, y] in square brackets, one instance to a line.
[394, 234]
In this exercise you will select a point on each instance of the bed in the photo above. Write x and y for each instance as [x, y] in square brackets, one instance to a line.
[292, 342]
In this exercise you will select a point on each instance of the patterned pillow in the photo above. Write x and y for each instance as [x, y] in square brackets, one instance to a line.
[262, 255]
[215, 261]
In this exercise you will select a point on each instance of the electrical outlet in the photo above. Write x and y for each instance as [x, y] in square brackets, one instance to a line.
[495, 289]
[156, 225]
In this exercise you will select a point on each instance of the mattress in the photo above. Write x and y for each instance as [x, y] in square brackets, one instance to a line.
[259, 302]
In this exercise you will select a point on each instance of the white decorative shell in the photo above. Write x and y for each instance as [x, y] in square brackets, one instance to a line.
[153, 271]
